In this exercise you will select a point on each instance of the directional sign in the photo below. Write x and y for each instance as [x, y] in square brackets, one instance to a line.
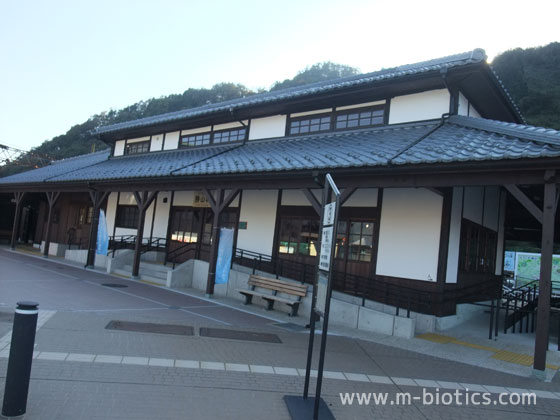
[328, 215]
[326, 247]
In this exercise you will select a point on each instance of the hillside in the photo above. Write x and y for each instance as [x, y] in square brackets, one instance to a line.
[532, 76]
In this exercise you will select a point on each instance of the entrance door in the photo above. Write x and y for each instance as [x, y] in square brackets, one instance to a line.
[191, 232]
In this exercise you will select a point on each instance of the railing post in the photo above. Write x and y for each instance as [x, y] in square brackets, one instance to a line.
[491, 319]
[507, 313]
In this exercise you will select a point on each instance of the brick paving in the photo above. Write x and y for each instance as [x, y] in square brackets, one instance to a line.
[83, 371]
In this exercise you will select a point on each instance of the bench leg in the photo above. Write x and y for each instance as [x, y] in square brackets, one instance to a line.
[295, 307]
[248, 299]
[269, 304]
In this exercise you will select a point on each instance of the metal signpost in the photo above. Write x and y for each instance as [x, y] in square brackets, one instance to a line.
[300, 408]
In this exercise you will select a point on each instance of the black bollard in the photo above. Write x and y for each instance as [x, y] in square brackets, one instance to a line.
[21, 355]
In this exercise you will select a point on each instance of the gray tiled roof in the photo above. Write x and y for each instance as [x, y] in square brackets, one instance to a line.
[475, 56]
[457, 139]
[57, 168]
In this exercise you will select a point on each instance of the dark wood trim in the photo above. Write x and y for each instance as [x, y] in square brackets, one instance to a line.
[545, 285]
[52, 198]
[444, 236]
[154, 215]
[18, 197]
[525, 201]
[387, 111]
[275, 239]
[346, 194]
[165, 138]
[312, 200]
[168, 236]
[143, 200]
[236, 231]
[116, 210]
[377, 228]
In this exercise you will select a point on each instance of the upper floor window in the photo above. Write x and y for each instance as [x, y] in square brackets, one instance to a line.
[138, 147]
[338, 120]
[215, 137]
[228, 136]
[359, 118]
[196, 140]
[309, 124]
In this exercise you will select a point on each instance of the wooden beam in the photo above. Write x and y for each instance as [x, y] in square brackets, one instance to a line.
[312, 200]
[213, 258]
[525, 202]
[346, 194]
[18, 196]
[211, 199]
[227, 201]
[52, 198]
[543, 310]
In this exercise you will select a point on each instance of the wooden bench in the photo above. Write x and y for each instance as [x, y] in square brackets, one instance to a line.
[292, 289]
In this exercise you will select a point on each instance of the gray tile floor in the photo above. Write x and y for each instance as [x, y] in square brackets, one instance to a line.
[83, 371]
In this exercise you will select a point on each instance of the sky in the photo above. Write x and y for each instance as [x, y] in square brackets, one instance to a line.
[64, 61]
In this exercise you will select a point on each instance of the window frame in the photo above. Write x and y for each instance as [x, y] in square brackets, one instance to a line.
[309, 117]
[212, 134]
[358, 111]
[120, 218]
[128, 146]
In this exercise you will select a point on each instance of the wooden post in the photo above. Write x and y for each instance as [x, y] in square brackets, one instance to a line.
[218, 205]
[52, 197]
[143, 201]
[18, 196]
[97, 198]
[543, 310]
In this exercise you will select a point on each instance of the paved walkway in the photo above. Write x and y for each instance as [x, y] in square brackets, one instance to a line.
[81, 370]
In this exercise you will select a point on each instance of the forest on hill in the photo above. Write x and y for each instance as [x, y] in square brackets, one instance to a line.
[532, 76]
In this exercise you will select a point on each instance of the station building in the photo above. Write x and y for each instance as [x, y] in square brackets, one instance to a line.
[425, 155]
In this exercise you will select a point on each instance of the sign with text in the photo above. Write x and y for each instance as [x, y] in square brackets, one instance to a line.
[326, 248]
[328, 215]
[200, 200]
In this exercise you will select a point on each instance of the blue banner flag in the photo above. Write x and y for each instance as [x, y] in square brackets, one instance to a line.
[225, 247]
[102, 235]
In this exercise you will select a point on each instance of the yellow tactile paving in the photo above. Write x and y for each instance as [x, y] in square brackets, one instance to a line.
[504, 355]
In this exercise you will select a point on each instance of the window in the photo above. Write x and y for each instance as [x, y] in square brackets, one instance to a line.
[310, 124]
[127, 217]
[354, 240]
[356, 118]
[196, 140]
[138, 147]
[229, 136]
[298, 236]
[478, 248]
[216, 137]
[85, 215]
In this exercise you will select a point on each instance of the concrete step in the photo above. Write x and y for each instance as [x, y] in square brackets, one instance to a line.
[155, 280]
[153, 270]
[122, 272]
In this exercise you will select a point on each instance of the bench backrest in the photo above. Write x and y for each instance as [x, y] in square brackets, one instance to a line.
[278, 285]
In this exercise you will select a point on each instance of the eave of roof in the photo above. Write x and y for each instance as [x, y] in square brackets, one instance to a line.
[425, 146]
[476, 56]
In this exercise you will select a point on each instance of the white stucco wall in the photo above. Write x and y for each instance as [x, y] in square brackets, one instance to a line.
[409, 234]
[119, 147]
[473, 112]
[263, 128]
[481, 205]
[363, 197]
[419, 106]
[361, 105]
[111, 212]
[463, 105]
[258, 209]
[297, 198]
[162, 214]
[157, 143]
[454, 235]
[171, 141]
[138, 139]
